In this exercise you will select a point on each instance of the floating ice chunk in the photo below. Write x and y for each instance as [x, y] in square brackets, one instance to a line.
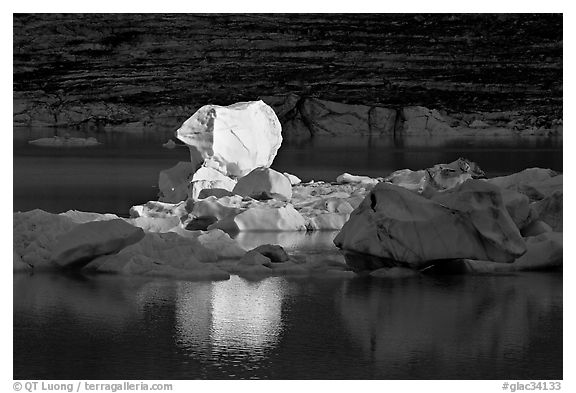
[536, 183]
[87, 241]
[221, 243]
[333, 205]
[535, 228]
[284, 218]
[252, 258]
[216, 240]
[35, 233]
[84, 217]
[143, 265]
[348, 178]
[518, 207]
[550, 210]
[172, 247]
[215, 192]
[235, 138]
[66, 141]
[294, 180]
[439, 178]
[155, 224]
[169, 145]
[216, 207]
[469, 221]
[273, 251]
[159, 209]
[208, 178]
[264, 183]
[19, 265]
[328, 221]
[163, 255]
[544, 252]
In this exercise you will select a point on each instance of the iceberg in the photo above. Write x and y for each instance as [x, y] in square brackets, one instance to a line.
[87, 241]
[65, 141]
[264, 183]
[395, 223]
[233, 139]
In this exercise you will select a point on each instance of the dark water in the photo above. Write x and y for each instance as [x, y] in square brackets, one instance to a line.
[124, 170]
[431, 327]
[455, 327]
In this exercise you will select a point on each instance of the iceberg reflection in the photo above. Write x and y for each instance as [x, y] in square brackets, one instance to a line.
[424, 327]
[230, 316]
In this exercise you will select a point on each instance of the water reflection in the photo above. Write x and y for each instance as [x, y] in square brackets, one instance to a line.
[230, 316]
[112, 301]
[491, 327]
[495, 327]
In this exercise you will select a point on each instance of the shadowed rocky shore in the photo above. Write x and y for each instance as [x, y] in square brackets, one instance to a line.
[96, 70]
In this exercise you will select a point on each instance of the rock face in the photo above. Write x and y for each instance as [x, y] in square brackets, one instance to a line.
[264, 183]
[233, 139]
[173, 182]
[423, 121]
[449, 61]
[332, 118]
[393, 222]
[87, 241]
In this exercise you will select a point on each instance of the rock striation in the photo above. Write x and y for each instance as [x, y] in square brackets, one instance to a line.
[148, 70]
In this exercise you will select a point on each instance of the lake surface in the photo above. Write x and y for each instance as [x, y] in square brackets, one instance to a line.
[123, 171]
[506, 326]
[444, 327]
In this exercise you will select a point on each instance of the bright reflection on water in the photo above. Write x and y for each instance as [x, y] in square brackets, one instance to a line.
[493, 327]
[238, 316]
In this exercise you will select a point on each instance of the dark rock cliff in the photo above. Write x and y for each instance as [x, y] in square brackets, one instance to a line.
[156, 69]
